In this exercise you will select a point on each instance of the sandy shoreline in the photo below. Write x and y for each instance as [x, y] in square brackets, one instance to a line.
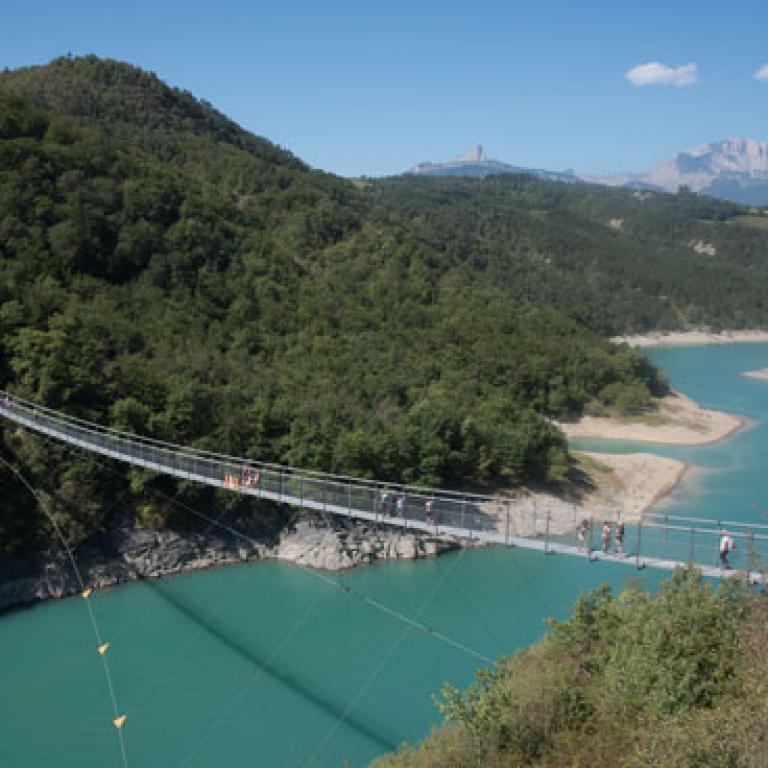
[624, 486]
[762, 374]
[691, 338]
[679, 421]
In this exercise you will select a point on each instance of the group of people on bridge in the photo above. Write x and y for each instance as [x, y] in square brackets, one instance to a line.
[389, 503]
[248, 477]
[726, 543]
[607, 536]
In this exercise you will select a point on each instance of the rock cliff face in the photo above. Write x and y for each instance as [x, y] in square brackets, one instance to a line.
[733, 169]
[130, 554]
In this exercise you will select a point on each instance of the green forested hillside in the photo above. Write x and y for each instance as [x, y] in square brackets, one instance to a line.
[292, 323]
[630, 681]
[618, 260]
[166, 272]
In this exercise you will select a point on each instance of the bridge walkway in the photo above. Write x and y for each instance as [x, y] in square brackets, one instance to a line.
[656, 541]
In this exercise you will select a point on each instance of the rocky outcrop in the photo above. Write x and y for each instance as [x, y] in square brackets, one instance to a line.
[337, 546]
[129, 554]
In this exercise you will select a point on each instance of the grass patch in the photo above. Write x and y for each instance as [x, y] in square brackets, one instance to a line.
[591, 465]
[752, 220]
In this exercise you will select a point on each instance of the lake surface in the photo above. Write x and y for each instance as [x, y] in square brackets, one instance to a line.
[268, 664]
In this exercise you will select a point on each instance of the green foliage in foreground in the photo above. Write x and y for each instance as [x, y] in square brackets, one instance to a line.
[677, 679]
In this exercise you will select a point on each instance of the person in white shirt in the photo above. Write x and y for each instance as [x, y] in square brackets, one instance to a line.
[727, 544]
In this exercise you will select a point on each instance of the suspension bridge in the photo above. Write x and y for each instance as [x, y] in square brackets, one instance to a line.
[655, 540]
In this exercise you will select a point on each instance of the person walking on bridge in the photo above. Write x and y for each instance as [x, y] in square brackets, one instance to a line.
[606, 537]
[581, 533]
[619, 538]
[727, 545]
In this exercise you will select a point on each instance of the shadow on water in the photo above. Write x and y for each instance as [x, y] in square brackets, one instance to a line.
[385, 741]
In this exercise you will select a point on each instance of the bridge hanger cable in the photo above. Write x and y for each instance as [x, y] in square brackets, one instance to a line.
[102, 647]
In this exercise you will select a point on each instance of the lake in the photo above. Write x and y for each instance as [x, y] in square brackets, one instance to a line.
[270, 665]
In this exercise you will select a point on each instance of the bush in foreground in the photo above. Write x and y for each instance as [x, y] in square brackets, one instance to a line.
[677, 678]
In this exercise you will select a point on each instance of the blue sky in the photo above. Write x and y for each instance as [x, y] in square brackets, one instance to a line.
[372, 88]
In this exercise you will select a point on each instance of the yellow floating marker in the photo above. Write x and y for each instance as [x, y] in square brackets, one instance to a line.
[103, 648]
[118, 721]
[86, 593]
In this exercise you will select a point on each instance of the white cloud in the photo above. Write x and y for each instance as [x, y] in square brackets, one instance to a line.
[654, 73]
[762, 73]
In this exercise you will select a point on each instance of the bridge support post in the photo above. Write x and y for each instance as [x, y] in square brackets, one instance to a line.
[547, 550]
[639, 542]
[692, 547]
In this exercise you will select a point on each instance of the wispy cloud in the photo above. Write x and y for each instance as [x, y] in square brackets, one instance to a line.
[654, 73]
[762, 73]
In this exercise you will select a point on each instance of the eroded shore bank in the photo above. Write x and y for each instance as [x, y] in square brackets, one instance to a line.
[126, 554]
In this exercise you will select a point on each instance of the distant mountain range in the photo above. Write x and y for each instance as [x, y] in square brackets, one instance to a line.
[475, 163]
[732, 169]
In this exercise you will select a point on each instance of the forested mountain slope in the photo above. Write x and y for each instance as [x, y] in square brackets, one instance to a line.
[615, 259]
[164, 271]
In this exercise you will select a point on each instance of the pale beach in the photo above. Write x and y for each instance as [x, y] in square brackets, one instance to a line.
[761, 374]
[691, 338]
[623, 486]
[679, 420]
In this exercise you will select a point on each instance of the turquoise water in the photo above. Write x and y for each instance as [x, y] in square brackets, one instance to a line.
[728, 480]
[266, 664]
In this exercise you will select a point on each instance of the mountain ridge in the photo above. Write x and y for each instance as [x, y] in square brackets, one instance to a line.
[733, 169]
[476, 164]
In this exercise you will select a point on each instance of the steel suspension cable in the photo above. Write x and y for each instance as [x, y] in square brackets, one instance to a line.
[86, 595]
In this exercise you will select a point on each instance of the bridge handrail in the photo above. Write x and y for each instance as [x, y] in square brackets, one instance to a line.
[706, 521]
[411, 490]
[715, 532]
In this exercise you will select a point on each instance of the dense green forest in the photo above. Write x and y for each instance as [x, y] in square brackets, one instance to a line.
[618, 260]
[676, 679]
[166, 272]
